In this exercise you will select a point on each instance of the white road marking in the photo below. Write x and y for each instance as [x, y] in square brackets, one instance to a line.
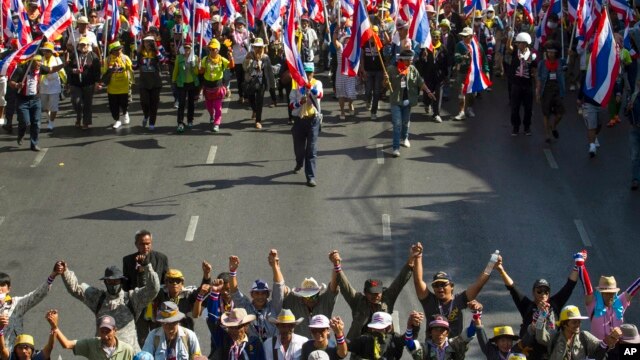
[584, 236]
[386, 227]
[379, 154]
[395, 316]
[212, 154]
[39, 157]
[1, 219]
[225, 109]
[191, 230]
[550, 159]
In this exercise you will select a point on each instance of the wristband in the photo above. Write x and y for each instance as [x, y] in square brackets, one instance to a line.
[477, 315]
[233, 273]
[1, 332]
[200, 297]
[340, 339]
[337, 268]
[50, 280]
[214, 296]
[53, 331]
[408, 335]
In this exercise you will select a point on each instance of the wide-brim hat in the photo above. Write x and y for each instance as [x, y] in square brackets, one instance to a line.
[113, 272]
[236, 317]
[115, 46]
[406, 54]
[571, 312]
[82, 20]
[629, 334]
[149, 38]
[309, 288]
[169, 313]
[24, 339]
[607, 284]
[285, 317]
[173, 273]
[467, 31]
[503, 331]
[48, 46]
[258, 42]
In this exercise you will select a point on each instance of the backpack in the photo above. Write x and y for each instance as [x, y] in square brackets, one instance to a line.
[156, 342]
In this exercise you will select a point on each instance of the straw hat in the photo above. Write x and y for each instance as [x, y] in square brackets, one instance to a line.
[607, 284]
[309, 288]
[503, 331]
[285, 317]
[236, 317]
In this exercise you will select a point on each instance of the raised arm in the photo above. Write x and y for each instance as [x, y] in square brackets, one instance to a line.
[234, 262]
[277, 293]
[632, 290]
[474, 289]
[503, 273]
[27, 302]
[337, 325]
[203, 291]
[348, 292]
[46, 351]
[143, 295]
[4, 351]
[333, 285]
[52, 318]
[274, 262]
[422, 291]
[394, 290]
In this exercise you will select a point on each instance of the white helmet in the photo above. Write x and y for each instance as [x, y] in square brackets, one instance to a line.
[524, 37]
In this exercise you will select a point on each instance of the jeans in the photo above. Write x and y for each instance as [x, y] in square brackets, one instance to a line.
[82, 101]
[29, 112]
[634, 146]
[400, 117]
[118, 103]
[186, 94]
[305, 140]
[239, 71]
[373, 88]
[256, 99]
[435, 104]
[150, 101]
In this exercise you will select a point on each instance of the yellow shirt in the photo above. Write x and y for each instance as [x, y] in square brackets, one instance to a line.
[214, 69]
[121, 75]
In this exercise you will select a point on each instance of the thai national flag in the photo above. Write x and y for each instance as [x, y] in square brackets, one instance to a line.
[472, 5]
[360, 33]
[294, 61]
[229, 9]
[251, 13]
[56, 19]
[22, 30]
[419, 28]
[346, 7]
[153, 11]
[626, 40]
[6, 21]
[394, 9]
[269, 12]
[24, 53]
[407, 9]
[316, 10]
[603, 67]
[134, 16]
[620, 7]
[542, 31]
[113, 12]
[574, 7]
[185, 7]
[476, 80]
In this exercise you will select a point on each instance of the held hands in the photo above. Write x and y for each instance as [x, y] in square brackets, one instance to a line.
[334, 257]
[612, 339]
[337, 325]
[206, 268]
[52, 318]
[204, 289]
[273, 258]
[234, 262]
[580, 258]
[415, 319]
[216, 285]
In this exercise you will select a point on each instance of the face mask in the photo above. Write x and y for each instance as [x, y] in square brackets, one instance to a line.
[490, 15]
[552, 25]
[113, 289]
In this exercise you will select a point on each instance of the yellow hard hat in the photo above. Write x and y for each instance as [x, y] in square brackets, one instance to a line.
[214, 44]
[478, 14]
[517, 356]
[503, 331]
[571, 312]
[173, 274]
[24, 339]
[48, 46]
[115, 46]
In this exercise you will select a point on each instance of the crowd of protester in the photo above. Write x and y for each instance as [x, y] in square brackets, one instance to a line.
[537, 68]
[147, 311]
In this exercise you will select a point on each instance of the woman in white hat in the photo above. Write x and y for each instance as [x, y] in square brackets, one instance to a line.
[258, 76]
[321, 327]
[51, 84]
[185, 76]
[150, 81]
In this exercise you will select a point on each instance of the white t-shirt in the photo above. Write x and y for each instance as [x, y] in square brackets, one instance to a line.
[50, 83]
[294, 351]
[90, 35]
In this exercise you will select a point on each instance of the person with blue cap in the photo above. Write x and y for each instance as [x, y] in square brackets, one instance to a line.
[259, 304]
[307, 117]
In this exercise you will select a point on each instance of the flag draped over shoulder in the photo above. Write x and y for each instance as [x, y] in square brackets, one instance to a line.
[603, 67]
[9, 64]
[293, 59]
[476, 80]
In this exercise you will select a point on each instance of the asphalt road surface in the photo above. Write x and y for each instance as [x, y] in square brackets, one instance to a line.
[464, 189]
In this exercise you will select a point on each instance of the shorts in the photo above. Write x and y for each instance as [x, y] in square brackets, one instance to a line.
[50, 102]
[459, 83]
[3, 90]
[551, 103]
[590, 115]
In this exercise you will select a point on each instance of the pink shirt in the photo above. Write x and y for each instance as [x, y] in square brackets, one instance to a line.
[602, 326]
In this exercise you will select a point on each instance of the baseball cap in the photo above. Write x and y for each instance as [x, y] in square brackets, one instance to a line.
[260, 285]
[541, 283]
[373, 286]
[106, 321]
[441, 276]
[319, 322]
[380, 320]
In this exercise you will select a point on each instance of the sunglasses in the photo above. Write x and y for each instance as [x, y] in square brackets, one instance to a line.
[440, 285]
[542, 292]
[174, 281]
[318, 331]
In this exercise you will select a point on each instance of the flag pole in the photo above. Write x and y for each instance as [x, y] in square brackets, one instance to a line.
[382, 62]
[562, 29]
[201, 39]
[24, 77]
[573, 35]
[192, 19]
[104, 38]
[75, 50]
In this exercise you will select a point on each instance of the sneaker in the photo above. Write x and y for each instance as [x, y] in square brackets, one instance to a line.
[369, 106]
[572, 88]
[216, 128]
[395, 153]
[258, 126]
[527, 132]
[592, 150]
[145, 121]
[152, 127]
[20, 140]
[180, 129]
[297, 169]
[50, 126]
[374, 117]
[190, 124]
[437, 118]
[126, 118]
[515, 132]
[35, 148]
[555, 133]
[470, 112]
[597, 143]
[116, 124]
[634, 185]
[460, 116]
[405, 143]
[342, 117]
[312, 183]
[175, 105]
